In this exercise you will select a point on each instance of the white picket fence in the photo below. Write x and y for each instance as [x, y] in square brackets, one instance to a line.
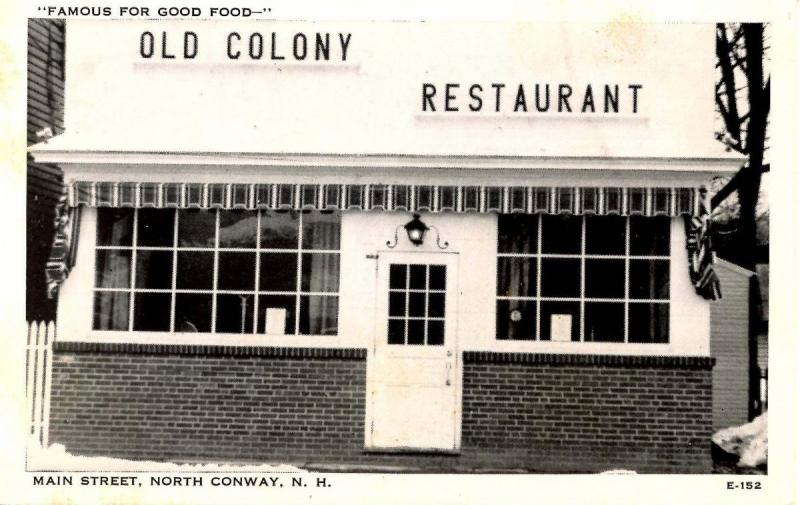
[38, 368]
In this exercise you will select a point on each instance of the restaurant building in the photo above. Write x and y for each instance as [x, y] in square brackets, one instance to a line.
[386, 245]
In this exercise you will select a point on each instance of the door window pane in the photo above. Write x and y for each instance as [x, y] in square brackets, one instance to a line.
[235, 313]
[237, 271]
[111, 309]
[605, 278]
[153, 269]
[155, 227]
[115, 227]
[416, 304]
[516, 276]
[237, 229]
[397, 303]
[605, 322]
[397, 276]
[435, 332]
[192, 313]
[113, 268]
[605, 235]
[649, 279]
[516, 320]
[151, 311]
[648, 323]
[438, 277]
[196, 228]
[416, 332]
[278, 272]
[195, 270]
[561, 277]
[561, 234]
[517, 233]
[318, 315]
[397, 331]
[417, 276]
[435, 304]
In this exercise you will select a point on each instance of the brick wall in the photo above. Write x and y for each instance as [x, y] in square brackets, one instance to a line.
[589, 413]
[208, 406]
[521, 412]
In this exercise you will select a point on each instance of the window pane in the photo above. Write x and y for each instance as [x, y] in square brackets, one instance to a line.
[151, 311]
[435, 332]
[605, 278]
[195, 270]
[114, 227]
[560, 321]
[318, 315]
[435, 304]
[397, 331]
[650, 236]
[113, 268]
[561, 234]
[266, 302]
[438, 277]
[648, 323]
[605, 322]
[237, 271]
[196, 228]
[397, 276]
[516, 276]
[320, 273]
[416, 304]
[321, 231]
[605, 235]
[516, 233]
[649, 279]
[279, 230]
[416, 276]
[192, 313]
[516, 320]
[237, 229]
[155, 227]
[416, 332]
[235, 313]
[111, 310]
[153, 269]
[397, 303]
[561, 277]
[278, 272]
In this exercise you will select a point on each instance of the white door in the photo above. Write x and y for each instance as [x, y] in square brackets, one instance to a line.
[413, 380]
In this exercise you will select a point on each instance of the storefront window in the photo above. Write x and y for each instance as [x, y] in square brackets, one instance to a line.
[217, 271]
[583, 278]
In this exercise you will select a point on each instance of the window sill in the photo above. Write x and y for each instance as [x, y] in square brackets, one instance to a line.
[211, 350]
[207, 339]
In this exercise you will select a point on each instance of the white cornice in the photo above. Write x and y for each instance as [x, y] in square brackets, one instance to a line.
[710, 165]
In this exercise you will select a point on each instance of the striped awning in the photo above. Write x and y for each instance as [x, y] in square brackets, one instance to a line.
[648, 201]
[652, 201]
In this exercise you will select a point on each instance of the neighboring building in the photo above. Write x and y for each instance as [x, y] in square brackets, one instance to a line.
[45, 110]
[731, 344]
[354, 255]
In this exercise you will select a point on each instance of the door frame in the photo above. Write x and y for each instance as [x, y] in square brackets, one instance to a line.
[429, 257]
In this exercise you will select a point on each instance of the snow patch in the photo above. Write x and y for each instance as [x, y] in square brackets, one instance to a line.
[618, 471]
[55, 457]
[748, 441]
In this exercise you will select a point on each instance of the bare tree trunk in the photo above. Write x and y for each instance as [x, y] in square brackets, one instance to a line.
[758, 96]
